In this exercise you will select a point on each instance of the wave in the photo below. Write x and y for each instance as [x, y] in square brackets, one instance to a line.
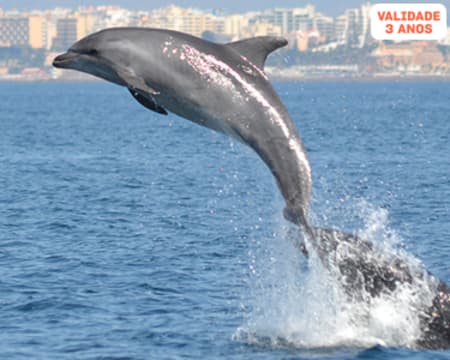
[299, 302]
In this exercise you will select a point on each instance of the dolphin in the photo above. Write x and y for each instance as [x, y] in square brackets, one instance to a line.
[224, 87]
[219, 86]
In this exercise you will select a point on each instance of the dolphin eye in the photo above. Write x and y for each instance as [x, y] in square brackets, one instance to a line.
[92, 52]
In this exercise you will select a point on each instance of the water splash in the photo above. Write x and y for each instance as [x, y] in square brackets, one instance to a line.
[299, 302]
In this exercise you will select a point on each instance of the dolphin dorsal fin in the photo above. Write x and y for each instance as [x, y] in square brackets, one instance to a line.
[258, 48]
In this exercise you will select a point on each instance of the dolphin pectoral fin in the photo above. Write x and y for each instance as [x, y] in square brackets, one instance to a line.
[142, 92]
[258, 48]
[136, 83]
[147, 102]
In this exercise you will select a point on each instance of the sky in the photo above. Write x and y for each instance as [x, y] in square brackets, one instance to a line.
[328, 7]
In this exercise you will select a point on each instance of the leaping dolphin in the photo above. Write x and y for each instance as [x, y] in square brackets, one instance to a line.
[220, 86]
[224, 87]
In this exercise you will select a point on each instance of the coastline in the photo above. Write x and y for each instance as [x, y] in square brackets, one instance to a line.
[305, 78]
[288, 74]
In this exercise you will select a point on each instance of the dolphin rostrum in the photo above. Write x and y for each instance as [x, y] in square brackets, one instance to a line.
[224, 87]
[220, 86]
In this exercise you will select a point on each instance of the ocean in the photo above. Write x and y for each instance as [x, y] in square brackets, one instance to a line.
[125, 234]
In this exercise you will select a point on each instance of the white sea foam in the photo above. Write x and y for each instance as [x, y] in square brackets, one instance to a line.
[297, 302]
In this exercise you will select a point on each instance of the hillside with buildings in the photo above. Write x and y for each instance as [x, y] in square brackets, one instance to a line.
[319, 45]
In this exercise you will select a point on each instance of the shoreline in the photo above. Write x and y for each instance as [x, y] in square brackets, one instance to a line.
[325, 78]
[388, 78]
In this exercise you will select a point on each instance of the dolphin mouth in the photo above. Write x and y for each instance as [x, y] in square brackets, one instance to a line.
[66, 59]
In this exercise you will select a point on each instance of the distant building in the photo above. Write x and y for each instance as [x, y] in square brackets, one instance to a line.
[186, 20]
[51, 34]
[303, 22]
[354, 27]
[235, 25]
[14, 31]
[340, 29]
[86, 24]
[302, 41]
[288, 20]
[365, 35]
[114, 16]
[66, 33]
[446, 39]
[408, 55]
[325, 26]
[37, 31]
[262, 29]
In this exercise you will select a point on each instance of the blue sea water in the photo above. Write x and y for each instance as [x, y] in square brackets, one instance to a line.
[129, 235]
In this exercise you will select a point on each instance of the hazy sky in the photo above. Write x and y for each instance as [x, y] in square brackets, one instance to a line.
[329, 7]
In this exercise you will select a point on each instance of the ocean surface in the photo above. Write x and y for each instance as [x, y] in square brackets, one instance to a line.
[125, 234]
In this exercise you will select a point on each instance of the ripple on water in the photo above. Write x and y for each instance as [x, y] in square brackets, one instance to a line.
[128, 235]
